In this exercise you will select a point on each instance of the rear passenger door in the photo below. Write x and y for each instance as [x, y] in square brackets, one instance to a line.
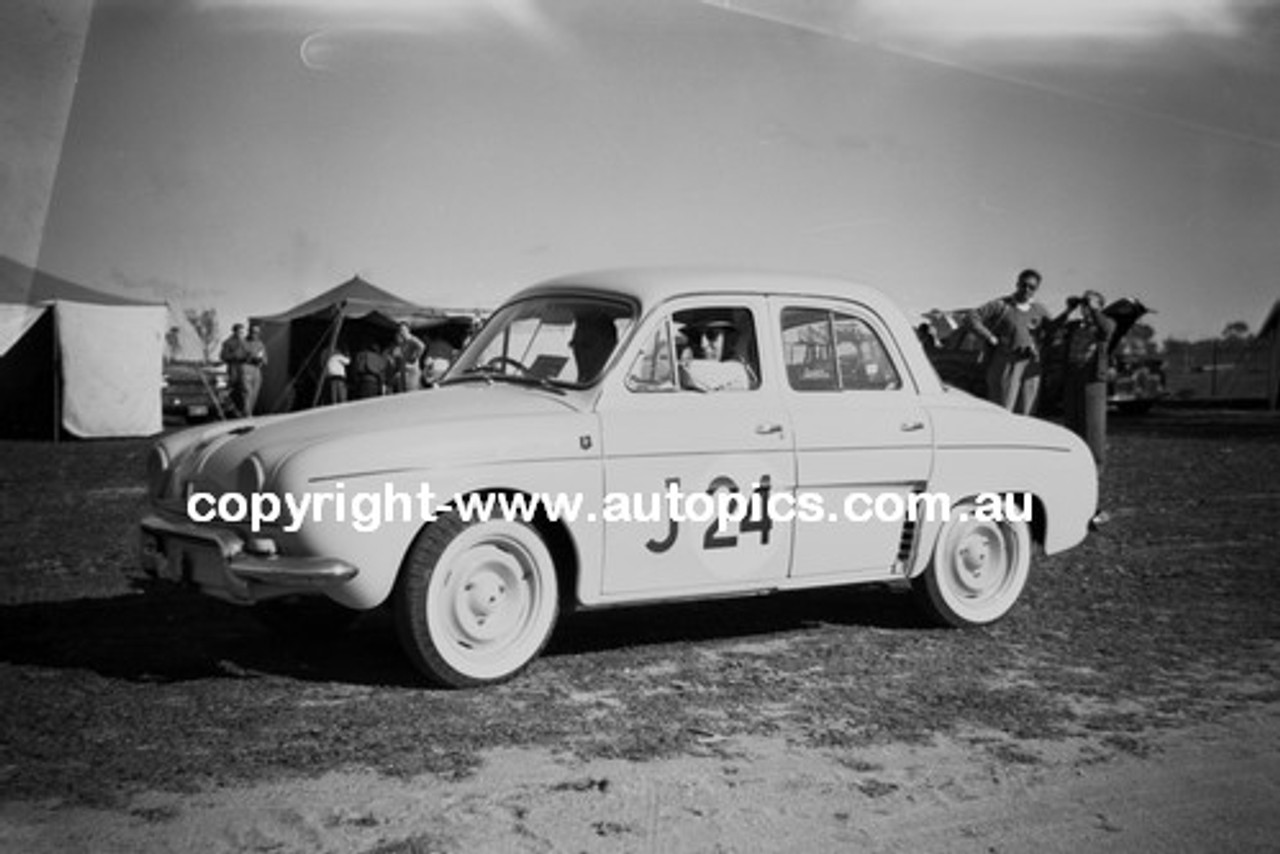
[863, 440]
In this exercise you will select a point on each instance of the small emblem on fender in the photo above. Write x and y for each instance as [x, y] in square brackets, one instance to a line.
[585, 441]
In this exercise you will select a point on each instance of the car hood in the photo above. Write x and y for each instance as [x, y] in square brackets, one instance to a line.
[454, 425]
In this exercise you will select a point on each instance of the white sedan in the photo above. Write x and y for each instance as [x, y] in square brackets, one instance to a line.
[620, 437]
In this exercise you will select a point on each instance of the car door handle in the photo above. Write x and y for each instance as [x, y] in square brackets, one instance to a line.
[768, 428]
[911, 426]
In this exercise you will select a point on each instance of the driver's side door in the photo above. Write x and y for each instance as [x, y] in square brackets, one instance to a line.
[671, 452]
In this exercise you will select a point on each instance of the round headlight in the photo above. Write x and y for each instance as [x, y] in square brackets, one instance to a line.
[157, 470]
[250, 476]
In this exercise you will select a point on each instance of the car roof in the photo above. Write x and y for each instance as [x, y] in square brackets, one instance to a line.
[650, 286]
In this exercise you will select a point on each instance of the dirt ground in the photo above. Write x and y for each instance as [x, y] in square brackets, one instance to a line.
[1209, 788]
[1129, 703]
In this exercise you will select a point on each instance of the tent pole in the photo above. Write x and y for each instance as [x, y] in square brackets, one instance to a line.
[292, 375]
[205, 361]
[328, 354]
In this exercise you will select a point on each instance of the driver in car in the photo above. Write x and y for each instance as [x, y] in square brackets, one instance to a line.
[594, 337]
[713, 368]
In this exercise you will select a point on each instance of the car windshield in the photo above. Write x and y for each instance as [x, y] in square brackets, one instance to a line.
[554, 341]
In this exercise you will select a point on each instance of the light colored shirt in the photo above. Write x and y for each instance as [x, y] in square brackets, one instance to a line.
[710, 375]
[337, 365]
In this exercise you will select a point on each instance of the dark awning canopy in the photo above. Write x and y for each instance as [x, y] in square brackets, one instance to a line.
[356, 298]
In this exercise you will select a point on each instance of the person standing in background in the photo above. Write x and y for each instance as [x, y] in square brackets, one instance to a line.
[369, 370]
[1084, 388]
[335, 376]
[255, 358]
[1011, 325]
[437, 361]
[235, 354]
[406, 356]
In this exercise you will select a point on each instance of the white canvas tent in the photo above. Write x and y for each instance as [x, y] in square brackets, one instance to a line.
[76, 360]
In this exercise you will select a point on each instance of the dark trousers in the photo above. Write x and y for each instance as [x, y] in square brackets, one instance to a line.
[335, 389]
[367, 385]
[239, 398]
[1084, 406]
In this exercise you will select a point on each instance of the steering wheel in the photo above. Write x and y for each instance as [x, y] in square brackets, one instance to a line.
[500, 361]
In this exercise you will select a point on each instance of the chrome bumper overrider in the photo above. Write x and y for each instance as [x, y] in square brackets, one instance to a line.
[215, 560]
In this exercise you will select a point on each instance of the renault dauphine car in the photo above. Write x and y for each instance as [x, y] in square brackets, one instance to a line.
[636, 436]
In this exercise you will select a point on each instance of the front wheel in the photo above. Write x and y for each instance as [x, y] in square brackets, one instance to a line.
[475, 601]
[978, 570]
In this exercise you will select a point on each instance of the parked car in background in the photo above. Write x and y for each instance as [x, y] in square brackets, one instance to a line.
[805, 400]
[1135, 378]
[192, 392]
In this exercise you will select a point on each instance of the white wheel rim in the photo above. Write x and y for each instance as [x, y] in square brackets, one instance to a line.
[491, 601]
[982, 567]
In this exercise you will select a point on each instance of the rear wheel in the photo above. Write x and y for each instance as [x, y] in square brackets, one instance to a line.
[978, 570]
[475, 601]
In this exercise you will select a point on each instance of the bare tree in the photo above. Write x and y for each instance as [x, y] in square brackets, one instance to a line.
[172, 343]
[1143, 332]
[1141, 339]
[1236, 330]
[205, 323]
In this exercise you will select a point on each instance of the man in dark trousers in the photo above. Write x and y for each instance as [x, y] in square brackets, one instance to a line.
[1084, 388]
[235, 355]
[368, 372]
[1084, 385]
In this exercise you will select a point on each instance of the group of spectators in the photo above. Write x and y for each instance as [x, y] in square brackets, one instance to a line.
[406, 364]
[244, 355]
[1016, 326]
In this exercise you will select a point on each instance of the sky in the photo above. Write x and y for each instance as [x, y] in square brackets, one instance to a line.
[248, 155]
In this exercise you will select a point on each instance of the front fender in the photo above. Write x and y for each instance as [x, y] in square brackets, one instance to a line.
[384, 513]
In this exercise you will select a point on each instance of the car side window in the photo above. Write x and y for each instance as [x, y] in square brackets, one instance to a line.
[703, 349]
[653, 369]
[864, 362]
[832, 351]
[807, 351]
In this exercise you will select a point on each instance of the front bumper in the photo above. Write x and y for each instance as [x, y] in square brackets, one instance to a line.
[215, 560]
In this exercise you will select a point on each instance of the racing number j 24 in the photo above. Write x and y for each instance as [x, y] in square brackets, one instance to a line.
[751, 514]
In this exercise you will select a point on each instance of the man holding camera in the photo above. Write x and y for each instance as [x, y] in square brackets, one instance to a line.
[1084, 387]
